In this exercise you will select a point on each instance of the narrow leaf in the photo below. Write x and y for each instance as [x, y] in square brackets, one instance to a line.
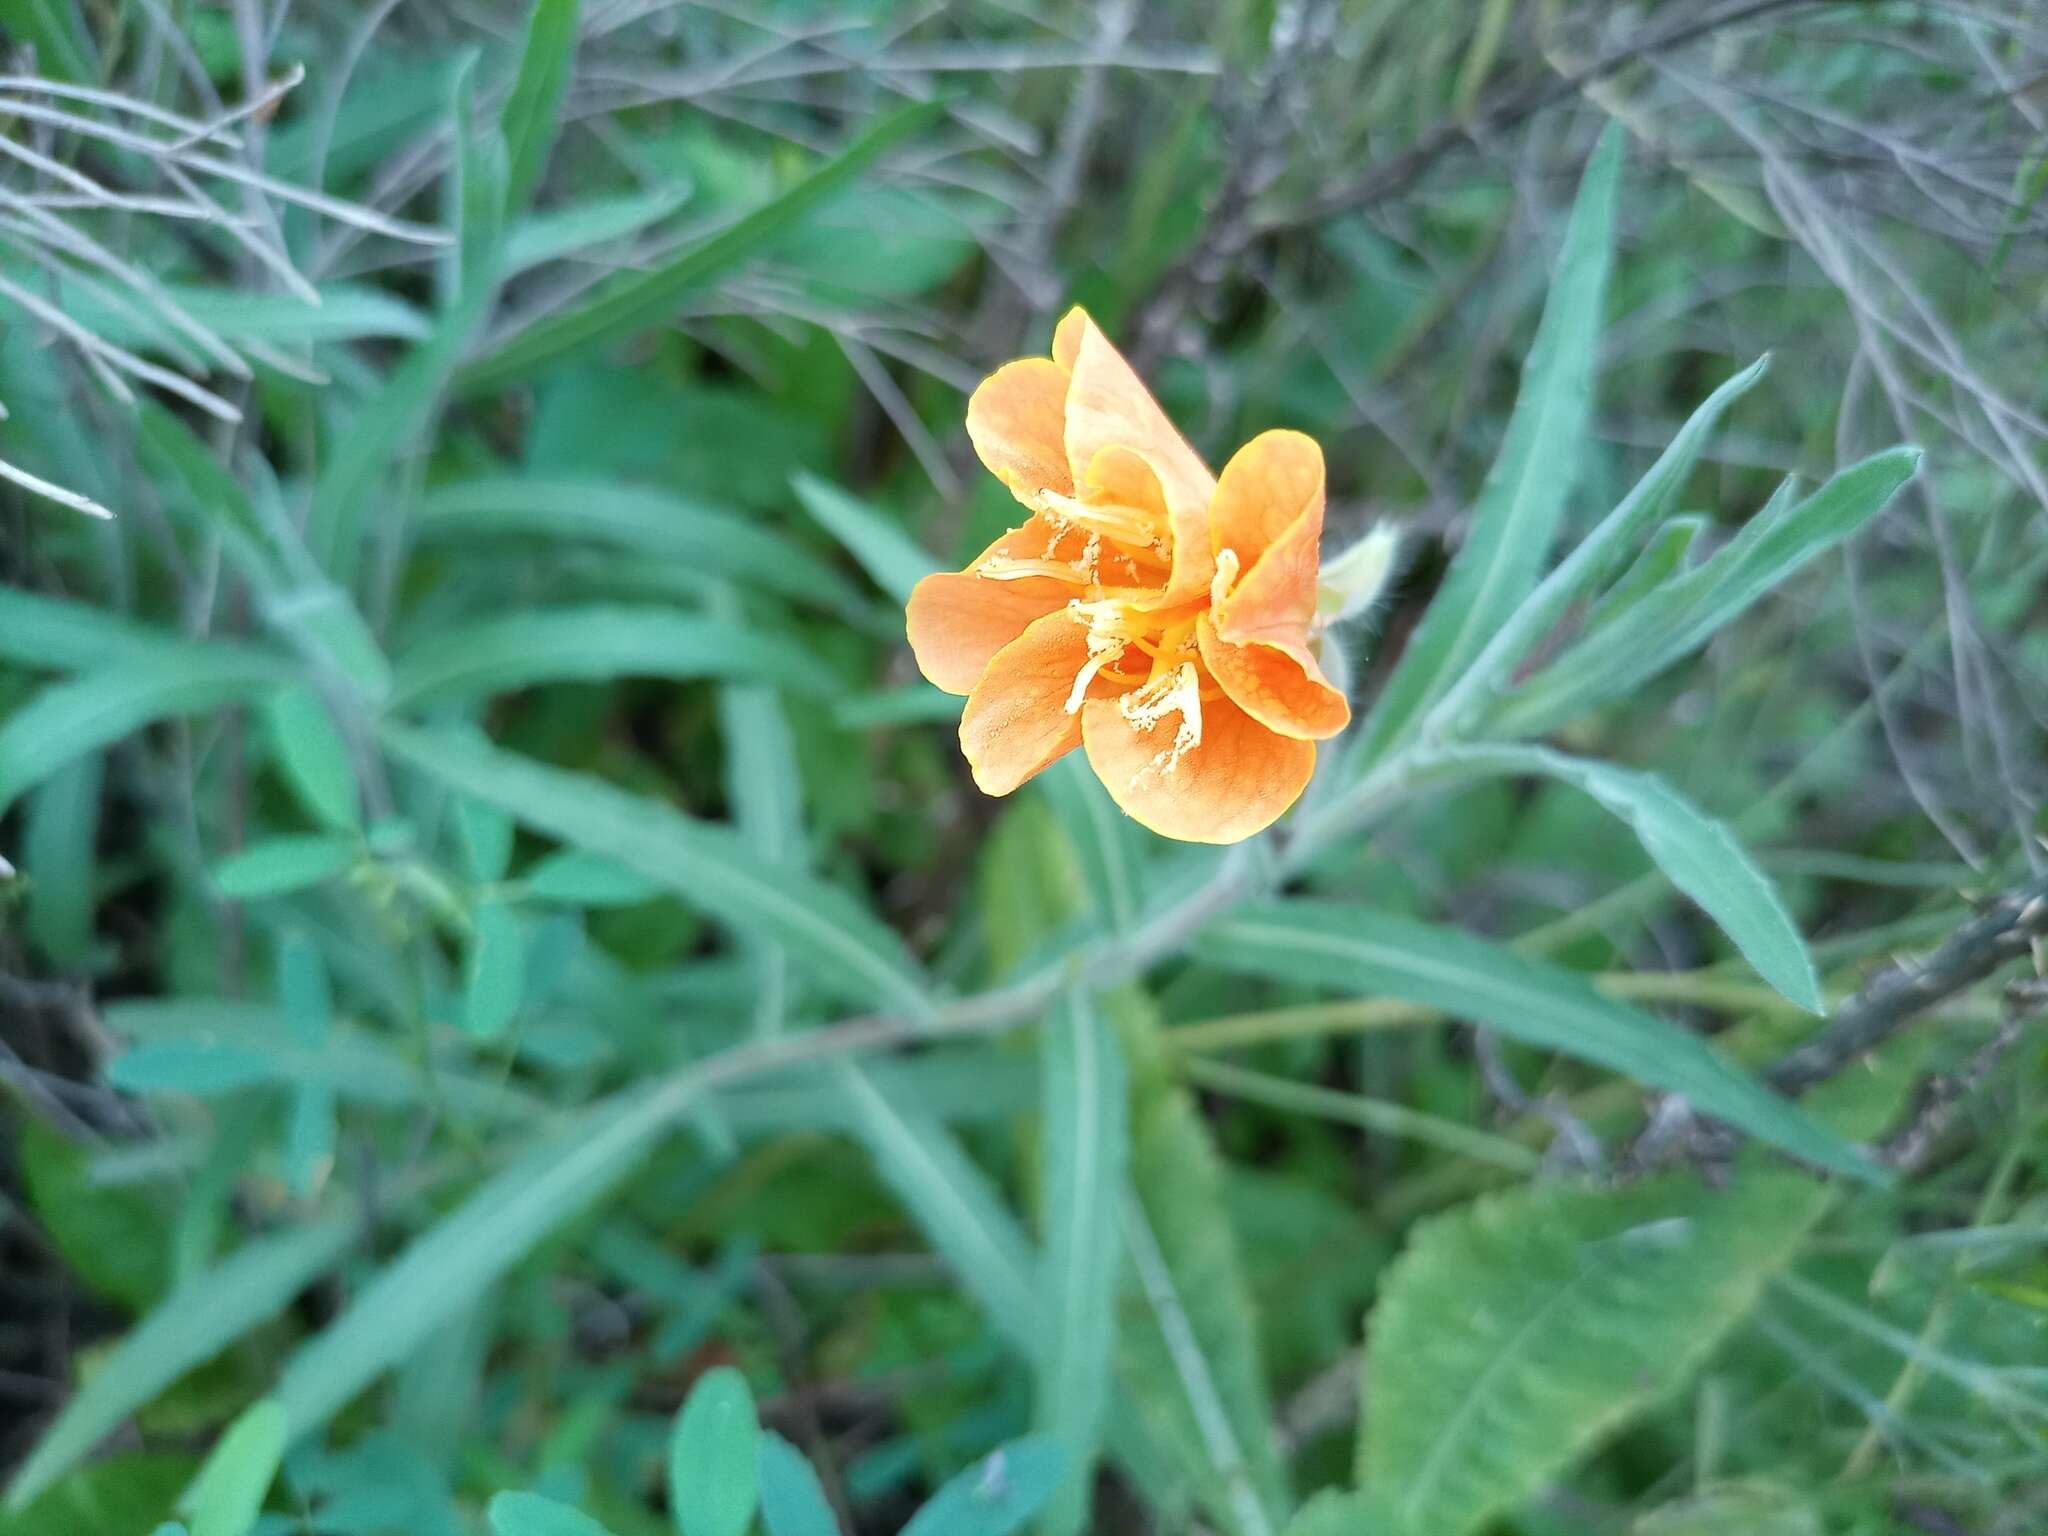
[597, 643]
[313, 757]
[575, 879]
[193, 1324]
[893, 561]
[529, 119]
[1086, 1154]
[1700, 855]
[200, 1068]
[494, 976]
[227, 1495]
[1356, 951]
[849, 952]
[640, 300]
[531, 1514]
[279, 865]
[1515, 519]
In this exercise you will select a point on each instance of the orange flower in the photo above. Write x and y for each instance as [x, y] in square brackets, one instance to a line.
[1157, 615]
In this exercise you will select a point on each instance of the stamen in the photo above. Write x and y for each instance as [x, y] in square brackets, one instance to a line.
[1127, 525]
[1177, 692]
[1010, 568]
[1225, 577]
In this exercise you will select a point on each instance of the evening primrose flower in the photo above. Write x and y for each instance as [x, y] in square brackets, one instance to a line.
[1162, 618]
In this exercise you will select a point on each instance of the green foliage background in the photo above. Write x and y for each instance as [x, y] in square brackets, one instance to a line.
[514, 1018]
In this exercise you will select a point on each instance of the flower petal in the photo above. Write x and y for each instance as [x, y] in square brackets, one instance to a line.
[1268, 512]
[958, 620]
[1108, 406]
[1235, 782]
[1279, 685]
[1016, 720]
[1017, 422]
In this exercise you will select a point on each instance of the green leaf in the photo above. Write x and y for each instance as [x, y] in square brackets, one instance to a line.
[55, 633]
[1356, 951]
[494, 976]
[636, 301]
[200, 1068]
[529, 119]
[640, 520]
[1597, 554]
[1652, 635]
[449, 1265]
[589, 222]
[996, 1496]
[1515, 519]
[303, 989]
[712, 1457]
[1700, 855]
[893, 561]
[227, 1496]
[1662, 559]
[596, 643]
[67, 720]
[1734, 1509]
[484, 833]
[116, 1239]
[845, 949]
[1343, 1513]
[529, 1514]
[1516, 1332]
[1085, 1148]
[313, 758]
[959, 1212]
[793, 1502]
[123, 1492]
[279, 865]
[59, 848]
[575, 879]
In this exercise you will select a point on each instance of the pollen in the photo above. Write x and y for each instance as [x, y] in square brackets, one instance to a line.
[1169, 693]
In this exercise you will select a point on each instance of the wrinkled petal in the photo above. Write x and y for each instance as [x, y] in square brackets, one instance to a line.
[1268, 512]
[1017, 422]
[1108, 406]
[1016, 721]
[957, 621]
[1236, 782]
[1279, 685]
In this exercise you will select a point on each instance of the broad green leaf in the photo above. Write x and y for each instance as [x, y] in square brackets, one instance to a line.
[997, 1495]
[1687, 610]
[793, 1502]
[529, 118]
[530, 1514]
[58, 34]
[712, 1457]
[1699, 855]
[454, 1261]
[636, 301]
[303, 989]
[279, 865]
[951, 1200]
[1514, 521]
[1084, 1146]
[114, 1239]
[1734, 1509]
[596, 644]
[67, 720]
[201, 1068]
[227, 1495]
[575, 879]
[494, 975]
[1361, 952]
[845, 949]
[123, 1491]
[1516, 1332]
[893, 561]
[313, 757]
[1598, 553]
[640, 520]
